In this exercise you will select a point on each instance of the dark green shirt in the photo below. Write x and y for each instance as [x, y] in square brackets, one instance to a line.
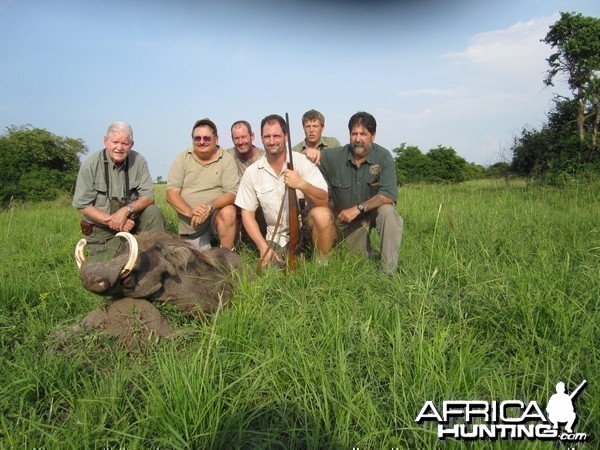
[350, 185]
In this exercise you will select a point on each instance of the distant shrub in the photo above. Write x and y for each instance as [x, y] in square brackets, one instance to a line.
[37, 165]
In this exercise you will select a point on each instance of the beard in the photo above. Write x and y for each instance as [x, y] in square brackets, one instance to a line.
[361, 150]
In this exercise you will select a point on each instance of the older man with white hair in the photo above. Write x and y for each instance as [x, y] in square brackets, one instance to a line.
[114, 192]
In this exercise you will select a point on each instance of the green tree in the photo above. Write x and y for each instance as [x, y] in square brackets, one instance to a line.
[412, 166]
[554, 149]
[498, 170]
[446, 165]
[576, 40]
[474, 171]
[37, 165]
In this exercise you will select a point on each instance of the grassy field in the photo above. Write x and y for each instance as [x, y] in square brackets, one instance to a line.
[496, 299]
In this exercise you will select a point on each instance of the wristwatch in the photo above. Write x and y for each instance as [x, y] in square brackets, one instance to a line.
[361, 207]
[130, 209]
[211, 208]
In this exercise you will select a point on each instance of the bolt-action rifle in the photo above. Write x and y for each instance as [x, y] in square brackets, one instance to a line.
[294, 225]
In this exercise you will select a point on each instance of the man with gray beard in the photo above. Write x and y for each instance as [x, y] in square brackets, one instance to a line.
[362, 183]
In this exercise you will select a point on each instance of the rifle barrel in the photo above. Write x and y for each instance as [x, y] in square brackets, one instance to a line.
[294, 226]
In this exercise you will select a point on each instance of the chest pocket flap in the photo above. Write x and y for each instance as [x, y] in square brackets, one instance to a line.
[338, 183]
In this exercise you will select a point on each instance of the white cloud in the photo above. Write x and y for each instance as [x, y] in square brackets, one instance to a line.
[512, 49]
[484, 94]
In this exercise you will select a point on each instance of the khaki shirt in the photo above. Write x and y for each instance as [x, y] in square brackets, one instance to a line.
[243, 165]
[200, 183]
[325, 142]
[91, 186]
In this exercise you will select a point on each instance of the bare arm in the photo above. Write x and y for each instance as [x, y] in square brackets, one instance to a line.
[317, 196]
[223, 200]
[199, 213]
[175, 199]
[253, 230]
[120, 220]
[313, 154]
[349, 214]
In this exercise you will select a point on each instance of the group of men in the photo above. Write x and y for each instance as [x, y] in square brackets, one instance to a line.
[347, 190]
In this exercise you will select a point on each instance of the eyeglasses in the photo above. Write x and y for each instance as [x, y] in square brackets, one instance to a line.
[202, 138]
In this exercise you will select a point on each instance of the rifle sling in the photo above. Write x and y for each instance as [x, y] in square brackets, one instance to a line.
[278, 222]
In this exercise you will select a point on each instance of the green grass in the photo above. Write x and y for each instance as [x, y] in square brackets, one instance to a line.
[496, 299]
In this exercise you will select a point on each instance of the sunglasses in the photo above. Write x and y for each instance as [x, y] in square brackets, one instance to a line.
[202, 138]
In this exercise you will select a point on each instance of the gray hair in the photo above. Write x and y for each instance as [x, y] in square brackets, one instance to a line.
[120, 127]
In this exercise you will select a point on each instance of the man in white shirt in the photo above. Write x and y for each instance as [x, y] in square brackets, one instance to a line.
[265, 183]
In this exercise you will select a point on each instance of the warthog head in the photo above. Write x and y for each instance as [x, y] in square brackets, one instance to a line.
[160, 266]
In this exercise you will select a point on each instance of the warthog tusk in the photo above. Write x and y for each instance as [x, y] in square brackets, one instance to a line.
[79, 256]
[133, 253]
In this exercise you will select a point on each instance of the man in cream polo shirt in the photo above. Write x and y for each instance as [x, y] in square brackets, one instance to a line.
[201, 187]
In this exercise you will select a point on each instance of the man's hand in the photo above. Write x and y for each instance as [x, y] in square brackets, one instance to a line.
[267, 255]
[120, 221]
[348, 215]
[292, 179]
[312, 154]
[199, 215]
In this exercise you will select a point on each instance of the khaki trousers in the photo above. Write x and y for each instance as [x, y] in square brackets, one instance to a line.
[389, 226]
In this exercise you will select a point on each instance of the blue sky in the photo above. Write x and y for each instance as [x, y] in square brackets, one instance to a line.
[466, 74]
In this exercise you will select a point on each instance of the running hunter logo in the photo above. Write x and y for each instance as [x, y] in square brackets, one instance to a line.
[511, 419]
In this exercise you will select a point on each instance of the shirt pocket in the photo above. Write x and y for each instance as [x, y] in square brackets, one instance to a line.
[101, 187]
[134, 188]
[268, 196]
[374, 181]
[339, 183]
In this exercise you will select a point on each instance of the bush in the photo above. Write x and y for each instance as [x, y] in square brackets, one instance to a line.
[37, 165]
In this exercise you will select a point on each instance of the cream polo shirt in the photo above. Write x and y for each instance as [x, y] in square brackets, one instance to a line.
[201, 183]
[261, 186]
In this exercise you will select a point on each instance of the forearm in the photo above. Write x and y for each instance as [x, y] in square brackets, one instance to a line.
[95, 214]
[141, 204]
[376, 201]
[178, 203]
[223, 200]
[349, 214]
[253, 230]
[318, 197]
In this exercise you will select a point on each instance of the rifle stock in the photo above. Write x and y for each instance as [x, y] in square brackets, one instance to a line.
[294, 225]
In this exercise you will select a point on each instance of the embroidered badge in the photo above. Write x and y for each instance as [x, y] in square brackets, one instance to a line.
[374, 169]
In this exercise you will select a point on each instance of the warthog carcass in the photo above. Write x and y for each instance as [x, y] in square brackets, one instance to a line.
[162, 268]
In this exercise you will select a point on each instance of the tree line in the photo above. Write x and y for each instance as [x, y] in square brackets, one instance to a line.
[38, 165]
[567, 145]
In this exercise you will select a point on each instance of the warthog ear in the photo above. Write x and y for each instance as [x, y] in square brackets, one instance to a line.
[179, 257]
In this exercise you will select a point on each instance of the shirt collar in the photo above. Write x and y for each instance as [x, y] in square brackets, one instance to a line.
[321, 145]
